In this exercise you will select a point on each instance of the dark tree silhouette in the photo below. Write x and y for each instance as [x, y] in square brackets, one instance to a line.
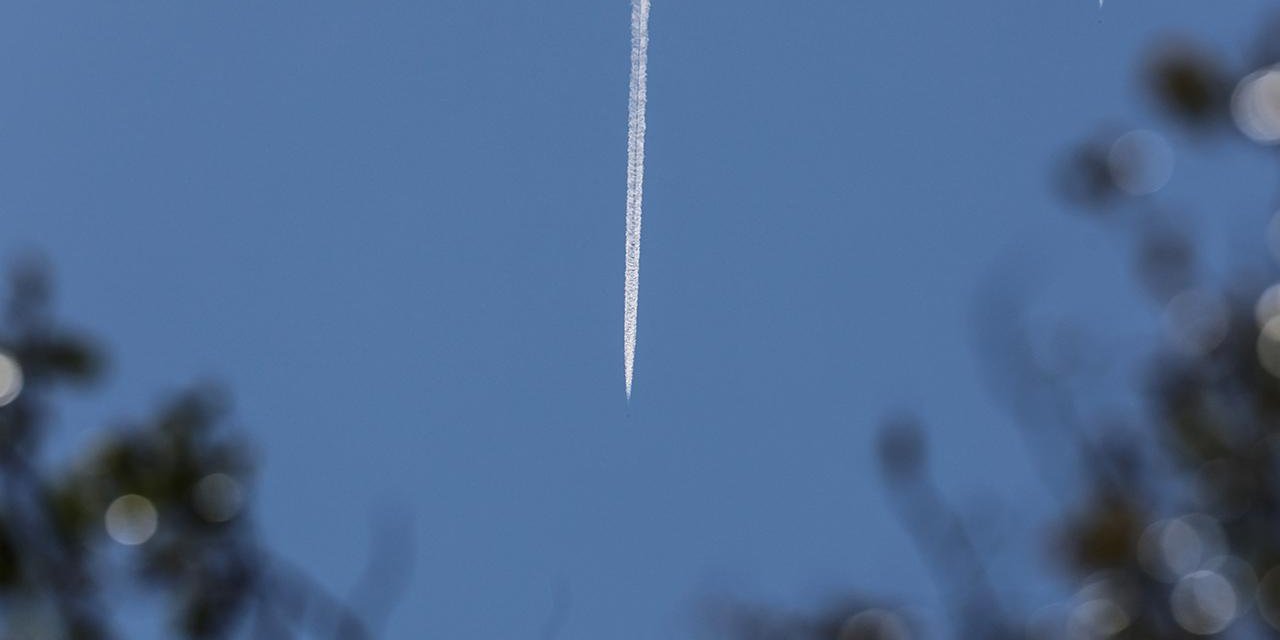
[1170, 528]
[157, 504]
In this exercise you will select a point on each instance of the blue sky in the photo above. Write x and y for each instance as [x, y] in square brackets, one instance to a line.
[395, 230]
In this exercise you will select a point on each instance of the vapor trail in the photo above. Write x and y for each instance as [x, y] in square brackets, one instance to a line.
[635, 181]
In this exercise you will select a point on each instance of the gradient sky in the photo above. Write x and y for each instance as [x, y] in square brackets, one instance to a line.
[395, 230]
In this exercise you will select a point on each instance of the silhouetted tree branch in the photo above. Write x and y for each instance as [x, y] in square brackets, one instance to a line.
[168, 491]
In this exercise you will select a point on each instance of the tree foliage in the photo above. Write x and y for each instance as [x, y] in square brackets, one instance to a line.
[155, 506]
[1171, 528]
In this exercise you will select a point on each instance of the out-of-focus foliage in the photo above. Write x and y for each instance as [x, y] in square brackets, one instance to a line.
[156, 505]
[1170, 527]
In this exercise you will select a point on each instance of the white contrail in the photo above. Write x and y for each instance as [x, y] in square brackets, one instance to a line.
[635, 181]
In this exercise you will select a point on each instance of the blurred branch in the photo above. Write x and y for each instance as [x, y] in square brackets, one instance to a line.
[167, 491]
[939, 533]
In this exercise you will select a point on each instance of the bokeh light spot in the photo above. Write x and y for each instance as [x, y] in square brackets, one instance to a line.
[1255, 105]
[1203, 603]
[217, 497]
[1269, 346]
[131, 519]
[1100, 618]
[1196, 321]
[1140, 162]
[1268, 305]
[1242, 578]
[10, 378]
[1171, 549]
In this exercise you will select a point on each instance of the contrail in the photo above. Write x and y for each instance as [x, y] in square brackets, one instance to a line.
[635, 181]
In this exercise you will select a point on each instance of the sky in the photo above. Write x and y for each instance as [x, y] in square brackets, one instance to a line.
[394, 230]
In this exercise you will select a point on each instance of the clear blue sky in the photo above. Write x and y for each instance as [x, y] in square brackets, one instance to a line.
[395, 229]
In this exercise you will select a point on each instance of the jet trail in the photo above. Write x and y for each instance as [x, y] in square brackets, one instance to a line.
[635, 180]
